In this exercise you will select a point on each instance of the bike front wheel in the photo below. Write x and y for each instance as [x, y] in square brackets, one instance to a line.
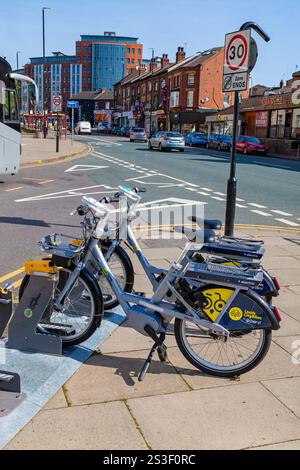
[235, 356]
[81, 313]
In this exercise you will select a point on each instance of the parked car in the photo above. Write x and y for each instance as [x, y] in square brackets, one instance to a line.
[115, 130]
[167, 141]
[196, 139]
[138, 133]
[83, 127]
[219, 142]
[124, 131]
[248, 145]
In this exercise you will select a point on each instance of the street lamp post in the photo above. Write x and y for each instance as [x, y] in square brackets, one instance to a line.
[151, 94]
[44, 56]
[17, 55]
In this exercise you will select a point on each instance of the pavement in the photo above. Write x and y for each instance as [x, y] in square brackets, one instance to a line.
[103, 406]
[40, 151]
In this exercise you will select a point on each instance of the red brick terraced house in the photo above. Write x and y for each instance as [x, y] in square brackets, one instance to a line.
[173, 96]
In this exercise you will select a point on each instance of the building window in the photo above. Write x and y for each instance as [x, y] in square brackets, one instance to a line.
[128, 61]
[132, 50]
[132, 61]
[298, 121]
[156, 86]
[190, 99]
[139, 51]
[128, 50]
[139, 61]
[174, 99]
[191, 79]
[149, 86]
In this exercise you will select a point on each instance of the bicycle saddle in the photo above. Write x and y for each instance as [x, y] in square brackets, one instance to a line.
[197, 236]
[213, 224]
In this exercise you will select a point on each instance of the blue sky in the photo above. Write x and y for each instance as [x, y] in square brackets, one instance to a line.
[162, 24]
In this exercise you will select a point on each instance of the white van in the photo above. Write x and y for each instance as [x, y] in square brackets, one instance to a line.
[83, 127]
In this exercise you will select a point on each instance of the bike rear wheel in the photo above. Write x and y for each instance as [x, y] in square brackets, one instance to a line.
[82, 309]
[214, 356]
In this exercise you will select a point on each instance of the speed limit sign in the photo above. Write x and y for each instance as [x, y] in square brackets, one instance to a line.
[57, 104]
[236, 60]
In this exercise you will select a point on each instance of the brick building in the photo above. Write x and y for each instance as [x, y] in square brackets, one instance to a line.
[176, 95]
[99, 62]
[271, 114]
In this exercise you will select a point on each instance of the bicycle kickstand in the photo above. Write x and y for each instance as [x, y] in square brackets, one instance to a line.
[159, 346]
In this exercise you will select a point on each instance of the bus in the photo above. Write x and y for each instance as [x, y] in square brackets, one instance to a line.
[10, 127]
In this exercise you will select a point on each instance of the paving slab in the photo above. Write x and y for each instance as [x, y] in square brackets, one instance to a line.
[115, 377]
[287, 391]
[291, 344]
[95, 427]
[287, 277]
[222, 418]
[290, 445]
[289, 301]
[280, 262]
[277, 364]
[289, 326]
[58, 401]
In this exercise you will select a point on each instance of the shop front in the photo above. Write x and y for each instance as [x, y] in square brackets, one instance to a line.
[190, 121]
[274, 119]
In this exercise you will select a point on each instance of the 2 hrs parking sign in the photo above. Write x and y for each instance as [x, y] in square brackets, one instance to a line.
[236, 61]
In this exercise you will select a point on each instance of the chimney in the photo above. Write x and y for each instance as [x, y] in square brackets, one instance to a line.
[165, 61]
[281, 84]
[180, 55]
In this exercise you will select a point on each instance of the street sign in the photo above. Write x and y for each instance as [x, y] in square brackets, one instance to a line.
[57, 103]
[236, 61]
[235, 82]
[73, 104]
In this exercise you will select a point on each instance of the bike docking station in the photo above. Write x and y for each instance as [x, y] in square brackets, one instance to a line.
[10, 383]
[36, 361]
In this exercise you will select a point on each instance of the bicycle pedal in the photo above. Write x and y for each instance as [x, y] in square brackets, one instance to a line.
[162, 352]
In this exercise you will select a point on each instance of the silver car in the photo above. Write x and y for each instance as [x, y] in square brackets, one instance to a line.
[167, 141]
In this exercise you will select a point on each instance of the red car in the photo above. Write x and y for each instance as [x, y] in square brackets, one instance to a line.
[248, 145]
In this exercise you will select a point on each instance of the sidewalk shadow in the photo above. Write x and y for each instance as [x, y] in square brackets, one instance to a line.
[129, 368]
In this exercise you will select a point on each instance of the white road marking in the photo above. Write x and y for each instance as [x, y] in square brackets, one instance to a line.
[76, 192]
[241, 206]
[264, 214]
[217, 198]
[286, 214]
[219, 194]
[208, 190]
[203, 193]
[240, 200]
[288, 222]
[110, 142]
[85, 168]
[259, 206]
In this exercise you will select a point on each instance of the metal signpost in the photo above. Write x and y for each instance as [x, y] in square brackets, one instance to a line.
[73, 105]
[240, 59]
[57, 108]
